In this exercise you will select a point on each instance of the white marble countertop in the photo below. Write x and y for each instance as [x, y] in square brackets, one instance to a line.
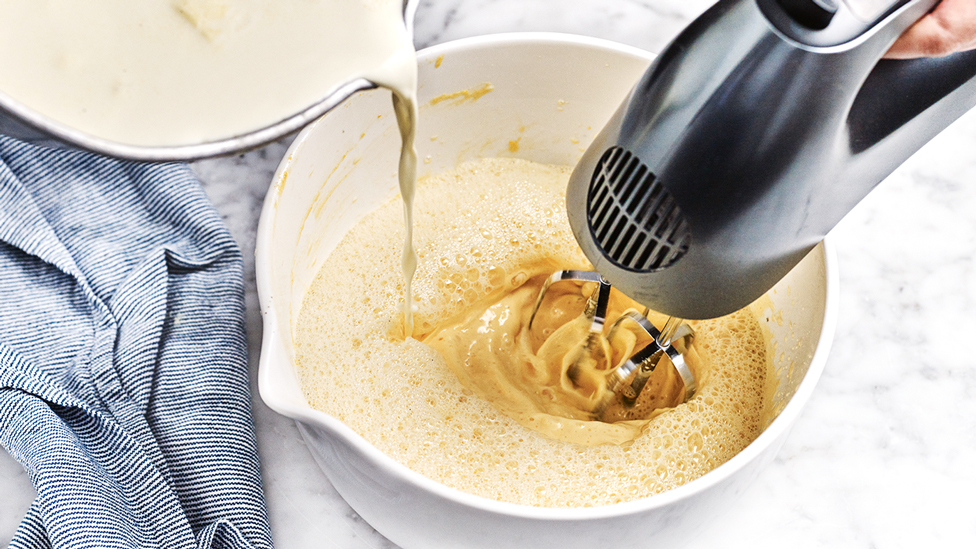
[884, 455]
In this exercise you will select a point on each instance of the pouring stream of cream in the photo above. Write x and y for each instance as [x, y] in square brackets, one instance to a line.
[182, 72]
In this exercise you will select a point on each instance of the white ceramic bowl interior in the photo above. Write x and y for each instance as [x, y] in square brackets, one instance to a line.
[551, 94]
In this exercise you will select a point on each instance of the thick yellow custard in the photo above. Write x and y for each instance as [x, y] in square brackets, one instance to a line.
[543, 368]
[482, 231]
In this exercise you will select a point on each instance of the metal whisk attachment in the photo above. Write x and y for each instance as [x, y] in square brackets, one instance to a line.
[595, 310]
[630, 379]
[625, 384]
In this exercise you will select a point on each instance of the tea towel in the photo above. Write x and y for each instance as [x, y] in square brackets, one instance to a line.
[123, 376]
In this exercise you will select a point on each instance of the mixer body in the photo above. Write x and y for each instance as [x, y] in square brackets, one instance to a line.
[747, 140]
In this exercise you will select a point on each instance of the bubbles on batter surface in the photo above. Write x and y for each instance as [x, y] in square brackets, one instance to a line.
[482, 228]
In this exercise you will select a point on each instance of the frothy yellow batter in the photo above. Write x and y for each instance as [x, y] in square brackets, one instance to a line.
[484, 230]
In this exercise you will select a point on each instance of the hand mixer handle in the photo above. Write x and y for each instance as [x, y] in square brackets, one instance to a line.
[900, 106]
[904, 104]
[747, 140]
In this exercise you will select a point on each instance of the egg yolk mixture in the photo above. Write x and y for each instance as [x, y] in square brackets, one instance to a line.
[475, 399]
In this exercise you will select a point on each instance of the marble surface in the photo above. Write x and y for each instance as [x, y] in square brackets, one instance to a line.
[884, 454]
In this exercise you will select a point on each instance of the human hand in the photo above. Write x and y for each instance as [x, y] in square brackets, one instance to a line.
[949, 28]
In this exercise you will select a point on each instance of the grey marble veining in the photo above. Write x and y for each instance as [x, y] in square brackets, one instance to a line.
[883, 456]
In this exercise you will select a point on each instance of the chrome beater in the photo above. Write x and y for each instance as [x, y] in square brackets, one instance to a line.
[628, 380]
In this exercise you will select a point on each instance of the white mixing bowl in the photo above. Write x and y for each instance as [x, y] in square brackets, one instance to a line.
[549, 95]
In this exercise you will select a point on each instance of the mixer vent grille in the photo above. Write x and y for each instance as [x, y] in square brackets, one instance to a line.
[633, 218]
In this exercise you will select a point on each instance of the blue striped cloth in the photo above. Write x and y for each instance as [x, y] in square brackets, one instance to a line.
[123, 374]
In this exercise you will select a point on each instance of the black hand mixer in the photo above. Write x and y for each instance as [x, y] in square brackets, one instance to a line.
[751, 135]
